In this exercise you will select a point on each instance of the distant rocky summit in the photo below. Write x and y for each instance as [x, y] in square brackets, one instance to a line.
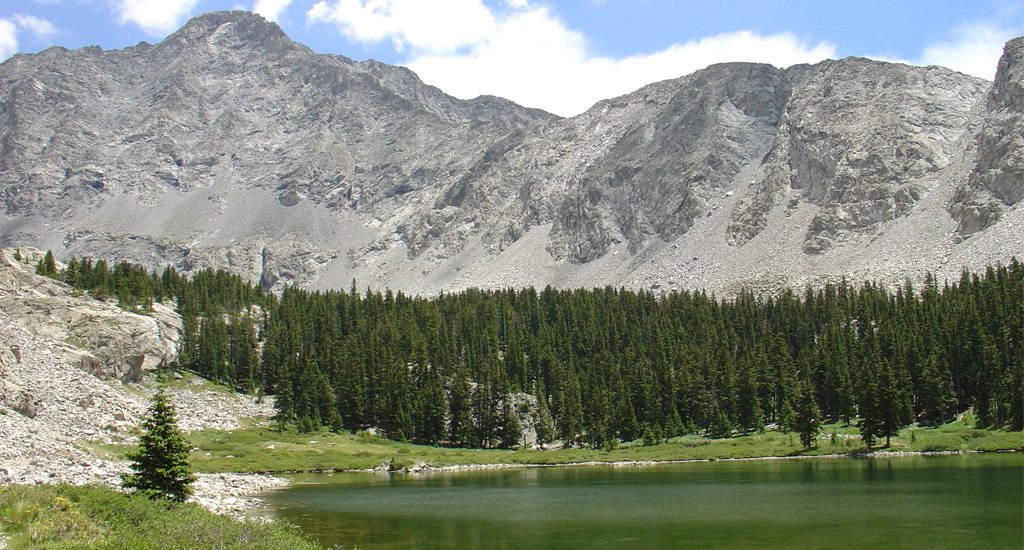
[229, 145]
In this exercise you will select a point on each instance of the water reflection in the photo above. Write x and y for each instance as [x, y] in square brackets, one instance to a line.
[943, 502]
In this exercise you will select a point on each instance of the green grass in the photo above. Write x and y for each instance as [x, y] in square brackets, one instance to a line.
[268, 449]
[76, 342]
[66, 517]
[194, 383]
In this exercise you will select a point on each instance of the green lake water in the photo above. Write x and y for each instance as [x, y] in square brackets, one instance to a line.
[968, 501]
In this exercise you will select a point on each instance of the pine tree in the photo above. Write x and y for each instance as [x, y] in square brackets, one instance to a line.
[545, 426]
[460, 428]
[510, 429]
[47, 267]
[868, 407]
[751, 415]
[937, 397]
[808, 416]
[570, 422]
[720, 425]
[161, 462]
[892, 403]
[787, 420]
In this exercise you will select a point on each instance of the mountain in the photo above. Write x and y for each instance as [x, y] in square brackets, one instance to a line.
[229, 145]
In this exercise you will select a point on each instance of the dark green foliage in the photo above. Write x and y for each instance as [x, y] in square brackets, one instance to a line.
[544, 425]
[605, 364]
[868, 406]
[460, 428]
[160, 464]
[47, 266]
[808, 416]
[894, 407]
[938, 403]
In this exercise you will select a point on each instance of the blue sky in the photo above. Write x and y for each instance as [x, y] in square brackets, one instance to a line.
[560, 56]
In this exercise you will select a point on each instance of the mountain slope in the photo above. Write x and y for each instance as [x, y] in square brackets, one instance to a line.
[229, 145]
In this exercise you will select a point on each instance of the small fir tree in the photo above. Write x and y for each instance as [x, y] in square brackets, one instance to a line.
[47, 266]
[160, 464]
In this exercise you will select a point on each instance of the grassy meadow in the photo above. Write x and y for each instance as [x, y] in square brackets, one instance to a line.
[269, 449]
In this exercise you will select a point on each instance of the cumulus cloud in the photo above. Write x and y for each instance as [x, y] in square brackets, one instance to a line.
[528, 55]
[156, 17]
[40, 28]
[271, 9]
[410, 24]
[974, 49]
[8, 39]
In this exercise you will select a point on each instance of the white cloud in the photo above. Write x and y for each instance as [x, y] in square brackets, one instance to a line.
[40, 28]
[155, 17]
[441, 27]
[271, 9]
[528, 55]
[974, 49]
[8, 39]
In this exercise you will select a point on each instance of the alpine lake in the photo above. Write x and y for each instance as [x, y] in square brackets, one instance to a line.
[951, 501]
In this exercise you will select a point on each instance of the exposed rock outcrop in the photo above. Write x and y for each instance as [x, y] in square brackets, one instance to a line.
[96, 335]
[997, 180]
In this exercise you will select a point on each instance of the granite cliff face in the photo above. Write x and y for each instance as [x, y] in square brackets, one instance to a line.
[996, 182]
[229, 145]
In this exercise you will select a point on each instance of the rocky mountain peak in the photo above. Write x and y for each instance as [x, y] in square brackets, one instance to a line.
[229, 145]
[1008, 87]
[996, 182]
[232, 28]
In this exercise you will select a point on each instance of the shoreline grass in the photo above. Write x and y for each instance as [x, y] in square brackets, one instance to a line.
[67, 516]
[268, 449]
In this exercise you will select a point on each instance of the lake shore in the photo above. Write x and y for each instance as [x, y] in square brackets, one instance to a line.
[229, 494]
[426, 468]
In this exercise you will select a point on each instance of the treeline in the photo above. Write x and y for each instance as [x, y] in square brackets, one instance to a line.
[206, 293]
[611, 364]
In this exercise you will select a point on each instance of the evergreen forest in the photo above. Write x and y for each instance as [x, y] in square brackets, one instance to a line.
[598, 366]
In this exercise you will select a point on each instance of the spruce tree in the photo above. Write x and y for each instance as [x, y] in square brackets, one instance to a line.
[868, 408]
[937, 398]
[47, 266]
[460, 428]
[510, 429]
[808, 416]
[893, 406]
[160, 464]
[545, 426]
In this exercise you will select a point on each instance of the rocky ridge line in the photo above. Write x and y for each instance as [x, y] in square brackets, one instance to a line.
[229, 145]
